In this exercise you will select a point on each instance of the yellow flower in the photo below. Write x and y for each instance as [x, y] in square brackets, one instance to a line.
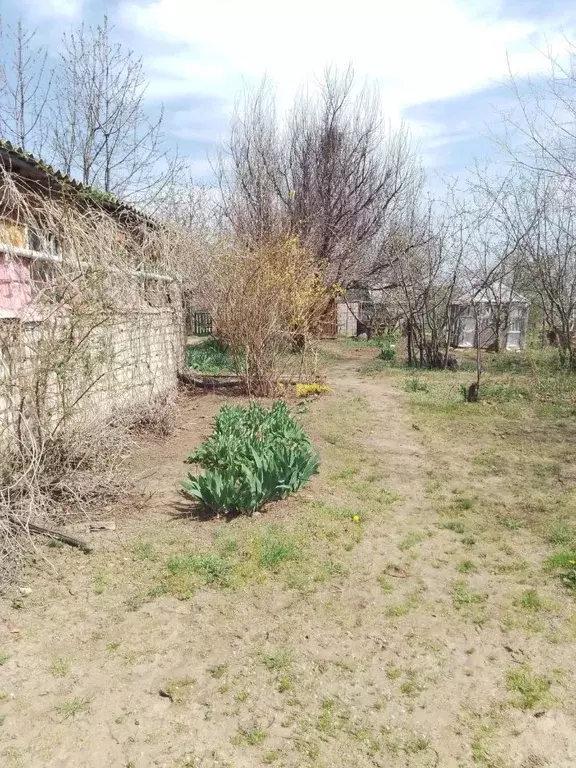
[314, 388]
[356, 518]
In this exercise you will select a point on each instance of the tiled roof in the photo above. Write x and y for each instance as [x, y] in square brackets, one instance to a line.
[105, 200]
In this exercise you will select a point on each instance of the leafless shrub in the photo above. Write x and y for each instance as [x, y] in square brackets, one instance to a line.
[62, 447]
[157, 416]
[267, 301]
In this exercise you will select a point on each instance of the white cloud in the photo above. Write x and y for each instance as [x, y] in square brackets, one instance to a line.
[418, 50]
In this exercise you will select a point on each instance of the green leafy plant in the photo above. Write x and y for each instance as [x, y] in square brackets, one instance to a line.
[564, 563]
[209, 357]
[415, 385]
[255, 455]
[387, 351]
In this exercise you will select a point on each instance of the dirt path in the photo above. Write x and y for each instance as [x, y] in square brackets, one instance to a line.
[369, 647]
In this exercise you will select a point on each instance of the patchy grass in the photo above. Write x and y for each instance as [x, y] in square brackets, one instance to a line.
[529, 691]
[179, 690]
[254, 736]
[60, 668]
[279, 659]
[73, 707]
[385, 616]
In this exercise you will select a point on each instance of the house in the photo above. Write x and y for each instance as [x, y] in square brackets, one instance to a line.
[83, 325]
[493, 317]
[365, 310]
[26, 247]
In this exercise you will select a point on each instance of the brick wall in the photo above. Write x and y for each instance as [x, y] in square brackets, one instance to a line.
[125, 359]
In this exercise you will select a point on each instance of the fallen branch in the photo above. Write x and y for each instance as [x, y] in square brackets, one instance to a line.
[64, 537]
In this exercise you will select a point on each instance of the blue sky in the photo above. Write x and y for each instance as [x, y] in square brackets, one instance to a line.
[440, 64]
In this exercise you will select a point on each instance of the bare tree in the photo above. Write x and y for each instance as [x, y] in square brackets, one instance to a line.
[102, 132]
[334, 173]
[425, 272]
[541, 127]
[25, 84]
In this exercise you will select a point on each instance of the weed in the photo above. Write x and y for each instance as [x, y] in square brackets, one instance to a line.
[454, 525]
[411, 686]
[314, 388]
[274, 546]
[530, 600]
[279, 659]
[462, 595]
[144, 550]
[100, 582]
[464, 504]
[4, 658]
[326, 715]
[76, 706]
[385, 584]
[59, 668]
[271, 757]
[399, 609]
[416, 744]
[190, 570]
[242, 696]
[178, 691]
[284, 684]
[530, 690]
[561, 534]
[513, 523]
[469, 541]
[411, 540]
[415, 385]
[253, 736]
[392, 672]
[466, 566]
[219, 671]
[564, 564]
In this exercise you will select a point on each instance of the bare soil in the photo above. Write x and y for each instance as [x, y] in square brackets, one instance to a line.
[389, 637]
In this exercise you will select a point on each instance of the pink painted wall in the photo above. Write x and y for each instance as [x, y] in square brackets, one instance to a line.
[15, 285]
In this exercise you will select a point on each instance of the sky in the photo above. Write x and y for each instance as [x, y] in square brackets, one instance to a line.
[441, 65]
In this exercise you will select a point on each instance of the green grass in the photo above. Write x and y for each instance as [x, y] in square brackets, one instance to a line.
[454, 525]
[529, 690]
[4, 658]
[59, 668]
[70, 709]
[530, 600]
[277, 660]
[274, 546]
[466, 566]
[254, 736]
[564, 565]
[416, 385]
[210, 568]
[561, 534]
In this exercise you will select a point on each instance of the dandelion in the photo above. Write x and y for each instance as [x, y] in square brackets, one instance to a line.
[356, 518]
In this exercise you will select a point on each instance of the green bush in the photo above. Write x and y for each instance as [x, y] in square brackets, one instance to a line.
[209, 357]
[255, 455]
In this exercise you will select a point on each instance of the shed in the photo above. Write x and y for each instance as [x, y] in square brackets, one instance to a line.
[494, 317]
